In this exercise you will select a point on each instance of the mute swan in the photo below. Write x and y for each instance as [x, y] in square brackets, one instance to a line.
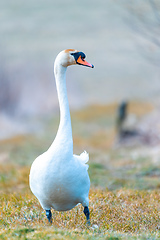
[58, 178]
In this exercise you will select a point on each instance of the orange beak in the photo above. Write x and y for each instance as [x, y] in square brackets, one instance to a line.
[83, 62]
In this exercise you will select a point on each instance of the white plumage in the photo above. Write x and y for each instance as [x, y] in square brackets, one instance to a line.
[58, 178]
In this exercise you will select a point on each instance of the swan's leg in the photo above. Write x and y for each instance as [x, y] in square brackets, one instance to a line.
[49, 215]
[86, 212]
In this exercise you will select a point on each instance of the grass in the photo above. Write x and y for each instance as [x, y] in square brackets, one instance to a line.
[124, 194]
[122, 212]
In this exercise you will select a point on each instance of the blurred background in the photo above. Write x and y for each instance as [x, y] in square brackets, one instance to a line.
[120, 38]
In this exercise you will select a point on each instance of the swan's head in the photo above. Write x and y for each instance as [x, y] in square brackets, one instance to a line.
[71, 57]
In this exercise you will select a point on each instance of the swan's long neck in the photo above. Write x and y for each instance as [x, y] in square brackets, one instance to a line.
[64, 135]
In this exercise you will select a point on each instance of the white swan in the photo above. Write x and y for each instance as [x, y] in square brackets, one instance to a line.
[58, 178]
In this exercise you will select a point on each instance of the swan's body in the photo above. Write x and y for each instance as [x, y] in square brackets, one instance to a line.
[58, 178]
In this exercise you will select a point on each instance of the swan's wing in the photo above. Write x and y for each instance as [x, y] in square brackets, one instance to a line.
[84, 157]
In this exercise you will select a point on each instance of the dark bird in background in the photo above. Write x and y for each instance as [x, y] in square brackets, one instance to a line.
[125, 127]
[131, 132]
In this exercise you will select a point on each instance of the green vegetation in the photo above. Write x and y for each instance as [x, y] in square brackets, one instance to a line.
[125, 186]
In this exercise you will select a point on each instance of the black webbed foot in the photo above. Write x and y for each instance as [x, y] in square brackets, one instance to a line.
[49, 215]
[86, 212]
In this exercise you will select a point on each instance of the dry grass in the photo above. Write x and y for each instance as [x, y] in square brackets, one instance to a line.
[124, 195]
[119, 212]
[122, 211]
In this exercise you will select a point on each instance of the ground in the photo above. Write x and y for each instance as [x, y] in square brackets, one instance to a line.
[125, 183]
